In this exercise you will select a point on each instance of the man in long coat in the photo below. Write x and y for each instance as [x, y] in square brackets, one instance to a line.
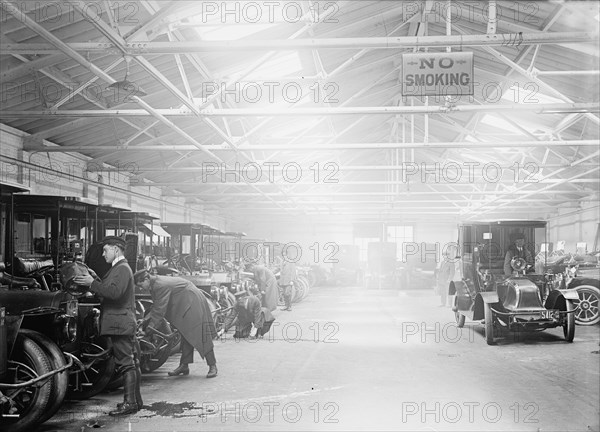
[267, 284]
[116, 290]
[248, 316]
[286, 280]
[183, 305]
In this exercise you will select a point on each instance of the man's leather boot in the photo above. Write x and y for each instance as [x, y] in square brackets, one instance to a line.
[212, 371]
[182, 369]
[129, 405]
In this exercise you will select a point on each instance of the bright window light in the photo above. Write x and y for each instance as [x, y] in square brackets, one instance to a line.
[281, 66]
[231, 32]
[499, 123]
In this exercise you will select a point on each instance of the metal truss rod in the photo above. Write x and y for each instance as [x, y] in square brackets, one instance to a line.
[552, 108]
[313, 146]
[353, 43]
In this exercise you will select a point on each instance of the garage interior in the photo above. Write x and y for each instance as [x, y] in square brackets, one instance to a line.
[212, 128]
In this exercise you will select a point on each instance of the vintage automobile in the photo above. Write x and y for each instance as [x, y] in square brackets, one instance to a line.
[521, 301]
[580, 272]
[33, 376]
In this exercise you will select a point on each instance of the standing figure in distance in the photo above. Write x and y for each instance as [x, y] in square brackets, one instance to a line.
[286, 280]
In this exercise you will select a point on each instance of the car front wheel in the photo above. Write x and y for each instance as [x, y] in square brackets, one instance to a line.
[489, 324]
[569, 325]
[460, 318]
[27, 404]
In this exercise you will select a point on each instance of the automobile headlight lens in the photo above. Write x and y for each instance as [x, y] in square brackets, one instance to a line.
[72, 308]
[67, 327]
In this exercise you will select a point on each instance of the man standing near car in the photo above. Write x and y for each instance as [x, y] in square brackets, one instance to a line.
[517, 249]
[183, 305]
[267, 284]
[118, 321]
[286, 280]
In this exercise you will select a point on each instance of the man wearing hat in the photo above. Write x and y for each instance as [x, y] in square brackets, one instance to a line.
[118, 321]
[183, 305]
[267, 284]
[249, 317]
[517, 249]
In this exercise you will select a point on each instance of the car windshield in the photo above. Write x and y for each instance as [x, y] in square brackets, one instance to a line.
[487, 243]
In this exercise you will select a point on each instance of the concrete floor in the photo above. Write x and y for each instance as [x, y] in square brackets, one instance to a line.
[351, 359]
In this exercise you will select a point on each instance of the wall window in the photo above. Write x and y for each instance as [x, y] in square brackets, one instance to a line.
[400, 234]
[363, 244]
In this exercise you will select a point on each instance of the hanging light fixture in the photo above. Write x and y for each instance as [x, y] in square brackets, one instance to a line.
[125, 87]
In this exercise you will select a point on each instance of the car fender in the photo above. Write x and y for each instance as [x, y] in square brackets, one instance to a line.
[482, 298]
[556, 299]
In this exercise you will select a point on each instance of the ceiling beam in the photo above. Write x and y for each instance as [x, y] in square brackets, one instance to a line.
[407, 42]
[311, 147]
[550, 108]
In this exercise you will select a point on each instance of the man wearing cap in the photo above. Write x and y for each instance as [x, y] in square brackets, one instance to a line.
[183, 305]
[249, 317]
[517, 249]
[118, 321]
[267, 284]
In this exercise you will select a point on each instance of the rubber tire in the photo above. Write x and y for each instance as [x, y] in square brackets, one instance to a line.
[569, 326]
[594, 294]
[27, 351]
[488, 316]
[460, 318]
[106, 370]
[148, 365]
[60, 381]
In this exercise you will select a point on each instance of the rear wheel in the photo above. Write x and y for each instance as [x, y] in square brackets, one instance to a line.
[489, 324]
[587, 313]
[28, 361]
[60, 381]
[569, 325]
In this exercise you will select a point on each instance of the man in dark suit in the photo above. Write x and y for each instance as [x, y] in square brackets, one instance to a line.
[249, 317]
[517, 249]
[116, 291]
[183, 305]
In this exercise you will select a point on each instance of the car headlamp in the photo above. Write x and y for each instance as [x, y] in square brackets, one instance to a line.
[72, 308]
[67, 327]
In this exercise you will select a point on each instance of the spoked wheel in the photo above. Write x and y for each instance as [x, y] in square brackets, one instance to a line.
[460, 318]
[152, 359]
[587, 313]
[489, 324]
[298, 291]
[306, 286]
[28, 404]
[60, 381]
[84, 384]
[569, 325]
